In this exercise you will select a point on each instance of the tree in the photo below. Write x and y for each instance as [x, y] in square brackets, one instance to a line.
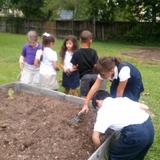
[31, 9]
[141, 10]
[102, 10]
[78, 7]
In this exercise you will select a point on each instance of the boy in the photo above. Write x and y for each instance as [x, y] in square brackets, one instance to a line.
[84, 59]
[128, 117]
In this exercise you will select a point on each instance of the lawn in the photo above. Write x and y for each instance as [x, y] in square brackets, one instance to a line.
[10, 49]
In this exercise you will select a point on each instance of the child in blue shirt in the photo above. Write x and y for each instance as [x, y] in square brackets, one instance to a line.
[126, 80]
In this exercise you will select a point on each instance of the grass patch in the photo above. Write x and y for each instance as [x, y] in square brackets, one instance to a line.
[10, 49]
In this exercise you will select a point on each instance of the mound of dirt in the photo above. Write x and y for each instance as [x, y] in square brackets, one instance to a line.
[36, 128]
[152, 54]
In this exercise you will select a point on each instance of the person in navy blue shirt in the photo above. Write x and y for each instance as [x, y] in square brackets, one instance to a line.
[126, 80]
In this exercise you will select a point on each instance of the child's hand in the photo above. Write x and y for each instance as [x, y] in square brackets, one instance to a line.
[57, 68]
[21, 65]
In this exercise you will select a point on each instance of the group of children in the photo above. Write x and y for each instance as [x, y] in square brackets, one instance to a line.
[82, 67]
[38, 63]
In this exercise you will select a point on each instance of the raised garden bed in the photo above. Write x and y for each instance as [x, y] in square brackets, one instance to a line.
[36, 126]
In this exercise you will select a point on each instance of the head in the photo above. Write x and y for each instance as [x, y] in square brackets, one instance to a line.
[86, 37]
[98, 98]
[105, 66]
[47, 39]
[32, 37]
[70, 43]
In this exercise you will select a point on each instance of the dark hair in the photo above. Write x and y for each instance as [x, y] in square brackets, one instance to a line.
[99, 95]
[85, 36]
[47, 40]
[64, 48]
[105, 64]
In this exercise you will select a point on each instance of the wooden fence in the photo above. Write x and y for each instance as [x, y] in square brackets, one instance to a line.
[101, 31]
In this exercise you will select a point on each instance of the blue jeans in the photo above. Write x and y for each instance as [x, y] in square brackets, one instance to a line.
[133, 143]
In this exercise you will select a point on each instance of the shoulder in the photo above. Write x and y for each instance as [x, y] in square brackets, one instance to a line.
[26, 45]
[124, 73]
[91, 50]
[124, 67]
[39, 46]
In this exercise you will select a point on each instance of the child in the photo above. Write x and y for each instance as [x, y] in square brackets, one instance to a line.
[136, 135]
[47, 59]
[70, 77]
[29, 72]
[85, 59]
[125, 79]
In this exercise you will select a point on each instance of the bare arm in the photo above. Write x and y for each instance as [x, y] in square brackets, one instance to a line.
[96, 138]
[55, 65]
[121, 87]
[90, 94]
[21, 62]
[36, 62]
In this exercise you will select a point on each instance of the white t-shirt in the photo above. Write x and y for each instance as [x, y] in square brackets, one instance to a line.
[49, 56]
[116, 113]
[123, 75]
[67, 59]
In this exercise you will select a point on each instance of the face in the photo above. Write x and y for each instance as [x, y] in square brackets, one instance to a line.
[32, 43]
[107, 74]
[69, 45]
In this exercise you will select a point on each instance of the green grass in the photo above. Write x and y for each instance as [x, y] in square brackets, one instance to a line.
[10, 49]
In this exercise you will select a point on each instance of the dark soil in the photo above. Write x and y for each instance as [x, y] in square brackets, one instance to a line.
[152, 54]
[37, 128]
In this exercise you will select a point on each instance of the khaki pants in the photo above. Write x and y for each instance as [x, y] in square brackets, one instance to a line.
[29, 74]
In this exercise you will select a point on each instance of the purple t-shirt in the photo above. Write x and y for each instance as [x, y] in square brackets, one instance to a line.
[29, 53]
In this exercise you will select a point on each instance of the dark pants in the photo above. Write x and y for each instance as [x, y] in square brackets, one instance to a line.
[133, 143]
[86, 83]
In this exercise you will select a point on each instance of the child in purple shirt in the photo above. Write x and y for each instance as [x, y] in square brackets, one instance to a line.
[29, 72]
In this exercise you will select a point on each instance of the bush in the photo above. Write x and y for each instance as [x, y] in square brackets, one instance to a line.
[143, 32]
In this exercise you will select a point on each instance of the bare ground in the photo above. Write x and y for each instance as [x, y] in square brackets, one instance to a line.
[152, 54]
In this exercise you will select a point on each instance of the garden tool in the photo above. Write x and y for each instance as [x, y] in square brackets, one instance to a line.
[77, 119]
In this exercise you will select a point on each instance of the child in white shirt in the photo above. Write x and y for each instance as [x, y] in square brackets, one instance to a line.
[70, 76]
[47, 59]
[127, 117]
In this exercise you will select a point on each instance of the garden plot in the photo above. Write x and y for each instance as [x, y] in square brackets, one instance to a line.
[35, 127]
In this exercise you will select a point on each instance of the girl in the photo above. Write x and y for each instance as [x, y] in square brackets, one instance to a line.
[125, 80]
[29, 72]
[70, 77]
[47, 58]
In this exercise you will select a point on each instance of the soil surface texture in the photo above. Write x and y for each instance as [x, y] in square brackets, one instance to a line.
[152, 54]
[38, 128]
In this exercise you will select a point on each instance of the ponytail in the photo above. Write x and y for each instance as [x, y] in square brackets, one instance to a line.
[116, 60]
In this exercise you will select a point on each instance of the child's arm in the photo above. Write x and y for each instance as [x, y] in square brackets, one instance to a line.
[96, 138]
[38, 57]
[21, 62]
[63, 67]
[56, 66]
[121, 87]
